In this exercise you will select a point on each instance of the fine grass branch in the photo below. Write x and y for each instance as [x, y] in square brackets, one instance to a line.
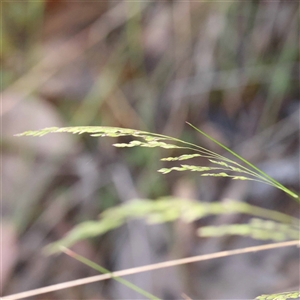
[152, 140]
[265, 175]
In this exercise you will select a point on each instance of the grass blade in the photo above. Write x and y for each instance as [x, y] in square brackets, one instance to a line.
[105, 271]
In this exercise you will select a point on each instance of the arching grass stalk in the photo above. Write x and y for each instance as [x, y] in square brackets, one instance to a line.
[152, 140]
[275, 182]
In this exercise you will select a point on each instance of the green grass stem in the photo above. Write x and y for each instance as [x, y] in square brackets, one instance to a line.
[105, 271]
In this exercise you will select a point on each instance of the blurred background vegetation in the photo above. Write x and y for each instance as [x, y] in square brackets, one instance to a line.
[230, 68]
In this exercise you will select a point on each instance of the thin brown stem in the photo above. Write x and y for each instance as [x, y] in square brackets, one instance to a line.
[152, 267]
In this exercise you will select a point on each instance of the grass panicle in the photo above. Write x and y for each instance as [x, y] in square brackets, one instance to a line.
[152, 140]
[256, 228]
[168, 209]
[280, 296]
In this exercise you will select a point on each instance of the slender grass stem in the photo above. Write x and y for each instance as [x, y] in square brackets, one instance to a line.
[105, 271]
[157, 266]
